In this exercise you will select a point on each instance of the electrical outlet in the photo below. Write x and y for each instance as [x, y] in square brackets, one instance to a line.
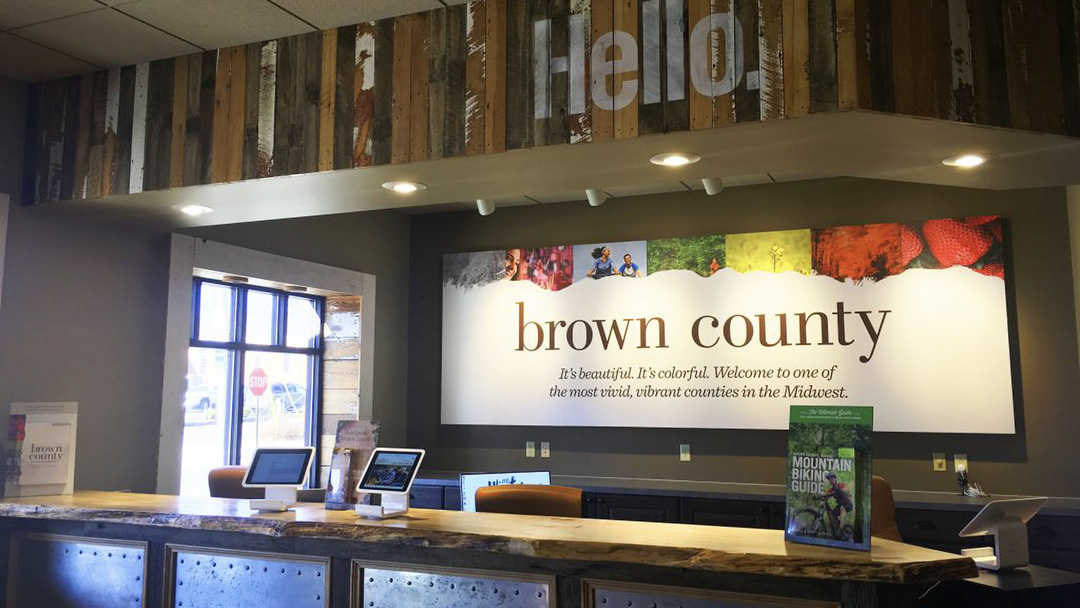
[545, 449]
[530, 449]
[684, 452]
[960, 463]
[939, 462]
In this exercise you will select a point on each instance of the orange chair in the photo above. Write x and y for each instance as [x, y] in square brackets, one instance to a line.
[523, 499]
[883, 511]
[225, 482]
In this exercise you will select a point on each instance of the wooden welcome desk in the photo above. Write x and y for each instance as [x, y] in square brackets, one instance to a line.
[118, 549]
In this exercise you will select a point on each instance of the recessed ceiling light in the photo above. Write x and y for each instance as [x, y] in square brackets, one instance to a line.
[675, 159]
[193, 210]
[404, 187]
[964, 161]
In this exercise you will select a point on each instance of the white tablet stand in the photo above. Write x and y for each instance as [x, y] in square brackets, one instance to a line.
[393, 502]
[1007, 521]
[277, 498]
[280, 496]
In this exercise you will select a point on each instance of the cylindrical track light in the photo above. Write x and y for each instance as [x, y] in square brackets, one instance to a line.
[485, 206]
[596, 196]
[713, 185]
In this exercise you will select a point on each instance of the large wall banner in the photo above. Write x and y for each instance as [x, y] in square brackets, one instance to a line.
[728, 331]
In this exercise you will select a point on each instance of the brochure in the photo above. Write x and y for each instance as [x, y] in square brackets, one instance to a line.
[41, 449]
[829, 471]
[353, 445]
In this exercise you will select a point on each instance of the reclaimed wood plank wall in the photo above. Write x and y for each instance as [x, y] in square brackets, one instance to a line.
[495, 75]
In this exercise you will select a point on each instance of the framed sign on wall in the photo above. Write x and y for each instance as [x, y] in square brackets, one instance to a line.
[727, 331]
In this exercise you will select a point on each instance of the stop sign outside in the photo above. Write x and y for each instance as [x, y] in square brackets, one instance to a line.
[257, 382]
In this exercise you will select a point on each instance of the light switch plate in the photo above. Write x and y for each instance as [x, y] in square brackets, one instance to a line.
[684, 452]
[960, 463]
[940, 464]
[530, 449]
[545, 449]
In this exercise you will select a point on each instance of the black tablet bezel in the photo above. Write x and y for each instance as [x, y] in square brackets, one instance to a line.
[419, 454]
[309, 455]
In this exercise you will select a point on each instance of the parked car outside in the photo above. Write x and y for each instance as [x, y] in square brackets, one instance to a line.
[200, 402]
[282, 398]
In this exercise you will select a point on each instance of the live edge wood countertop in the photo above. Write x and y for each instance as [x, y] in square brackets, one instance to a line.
[706, 548]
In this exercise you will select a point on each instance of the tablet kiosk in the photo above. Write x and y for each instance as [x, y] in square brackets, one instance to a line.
[1007, 521]
[281, 471]
[390, 473]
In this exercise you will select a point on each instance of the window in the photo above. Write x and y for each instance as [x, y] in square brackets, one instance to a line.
[254, 377]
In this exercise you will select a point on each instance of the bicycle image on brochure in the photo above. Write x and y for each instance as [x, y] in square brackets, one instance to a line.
[829, 470]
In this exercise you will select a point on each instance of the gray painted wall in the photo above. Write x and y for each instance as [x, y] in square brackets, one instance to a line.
[13, 99]
[1039, 459]
[84, 320]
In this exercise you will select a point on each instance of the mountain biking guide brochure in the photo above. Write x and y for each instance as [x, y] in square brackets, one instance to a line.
[829, 471]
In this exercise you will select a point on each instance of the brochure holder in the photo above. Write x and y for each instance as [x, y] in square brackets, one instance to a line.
[1007, 521]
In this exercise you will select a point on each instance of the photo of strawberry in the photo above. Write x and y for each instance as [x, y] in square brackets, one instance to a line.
[911, 245]
[995, 269]
[956, 243]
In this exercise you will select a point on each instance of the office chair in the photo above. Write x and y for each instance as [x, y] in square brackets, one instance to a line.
[883, 511]
[225, 482]
[523, 499]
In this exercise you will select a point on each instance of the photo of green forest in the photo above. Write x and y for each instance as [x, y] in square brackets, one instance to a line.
[704, 255]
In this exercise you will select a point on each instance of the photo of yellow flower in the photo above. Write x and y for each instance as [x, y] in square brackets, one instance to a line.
[770, 251]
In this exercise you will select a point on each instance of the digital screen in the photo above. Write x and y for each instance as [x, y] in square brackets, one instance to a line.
[278, 467]
[390, 471]
[471, 482]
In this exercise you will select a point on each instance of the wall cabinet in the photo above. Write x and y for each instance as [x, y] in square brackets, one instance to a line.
[632, 507]
[733, 513]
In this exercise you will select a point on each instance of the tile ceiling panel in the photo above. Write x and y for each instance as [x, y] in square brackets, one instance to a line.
[17, 13]
[326, 14]
[214, 24]
[29, 62]
[107, 38]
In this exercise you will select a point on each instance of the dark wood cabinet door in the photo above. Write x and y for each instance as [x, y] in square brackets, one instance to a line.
[426, 497]
[452, 498]
[732, 513]
[633, 507]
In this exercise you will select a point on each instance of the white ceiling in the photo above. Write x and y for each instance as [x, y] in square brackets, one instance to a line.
[48, 39]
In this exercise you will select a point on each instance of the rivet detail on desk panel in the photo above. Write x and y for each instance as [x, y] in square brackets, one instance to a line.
[77, 572]
[395, 588]
[239, 579]
[606, 594]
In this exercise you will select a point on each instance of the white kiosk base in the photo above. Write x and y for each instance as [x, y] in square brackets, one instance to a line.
[1010, 548]
[393, 505]
[277, 499]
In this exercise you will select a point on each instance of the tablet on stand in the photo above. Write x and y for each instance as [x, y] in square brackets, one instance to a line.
[389, 473]
[282, 471]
